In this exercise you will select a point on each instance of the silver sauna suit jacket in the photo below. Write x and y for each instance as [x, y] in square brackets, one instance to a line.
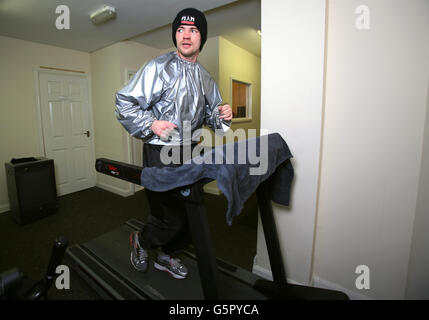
[172, 89]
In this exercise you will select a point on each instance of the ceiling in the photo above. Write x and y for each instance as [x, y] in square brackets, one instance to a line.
[144, 21]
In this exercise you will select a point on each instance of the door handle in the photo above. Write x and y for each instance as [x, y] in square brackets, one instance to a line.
[87, 133]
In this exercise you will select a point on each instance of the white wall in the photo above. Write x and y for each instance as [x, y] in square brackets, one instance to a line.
[418, 275]
[106, 79]
[371, 203]
[209, 57]
[19, 125]
[239, 64]
[108, 68]
[376, 100]
[292, 62]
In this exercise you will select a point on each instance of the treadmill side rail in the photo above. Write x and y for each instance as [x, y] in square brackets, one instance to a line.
[200, 231]
[271, 235]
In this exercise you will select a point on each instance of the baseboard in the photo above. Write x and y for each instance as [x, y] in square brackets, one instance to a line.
[266, 274]
[317, 283]
[262, 272]
[113, 189]
[4, 207]
[212, 189]
[325, 284]
[138, 188]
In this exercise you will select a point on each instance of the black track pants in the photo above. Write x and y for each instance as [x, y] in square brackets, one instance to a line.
[167, 226]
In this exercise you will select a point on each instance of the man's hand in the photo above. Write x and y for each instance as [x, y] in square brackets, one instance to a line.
[225, 112]
[163, 129]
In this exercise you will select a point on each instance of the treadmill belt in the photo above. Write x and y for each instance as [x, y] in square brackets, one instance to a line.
[111, 252]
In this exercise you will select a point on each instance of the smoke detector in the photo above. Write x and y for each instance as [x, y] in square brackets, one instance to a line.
[102, 15]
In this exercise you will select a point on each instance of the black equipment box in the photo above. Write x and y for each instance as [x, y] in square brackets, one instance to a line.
[32, 188]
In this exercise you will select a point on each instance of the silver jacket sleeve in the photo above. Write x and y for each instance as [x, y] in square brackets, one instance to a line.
[133, 102]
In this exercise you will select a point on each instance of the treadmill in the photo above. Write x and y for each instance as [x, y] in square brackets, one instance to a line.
[104, 262]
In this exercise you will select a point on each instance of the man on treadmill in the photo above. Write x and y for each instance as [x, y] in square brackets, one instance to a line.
[166, 95]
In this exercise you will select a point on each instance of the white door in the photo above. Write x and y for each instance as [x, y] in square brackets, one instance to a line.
[66, 125]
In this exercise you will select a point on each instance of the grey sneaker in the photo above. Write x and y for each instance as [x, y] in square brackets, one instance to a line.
[139, 256]
[173, 266]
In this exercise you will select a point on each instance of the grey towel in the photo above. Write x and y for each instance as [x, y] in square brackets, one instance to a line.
[239, 169]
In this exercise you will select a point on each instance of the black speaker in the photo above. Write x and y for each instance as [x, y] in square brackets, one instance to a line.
[32, 189]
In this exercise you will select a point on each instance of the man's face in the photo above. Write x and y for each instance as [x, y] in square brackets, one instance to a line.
[188, 40]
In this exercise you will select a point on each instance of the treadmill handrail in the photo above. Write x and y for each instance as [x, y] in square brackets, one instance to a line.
[131, 173]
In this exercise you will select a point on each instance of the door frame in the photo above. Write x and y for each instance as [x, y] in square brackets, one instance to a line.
[37, 71]
[130, 141]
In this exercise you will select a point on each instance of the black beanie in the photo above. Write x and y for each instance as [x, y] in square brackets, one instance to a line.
[191, 17]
